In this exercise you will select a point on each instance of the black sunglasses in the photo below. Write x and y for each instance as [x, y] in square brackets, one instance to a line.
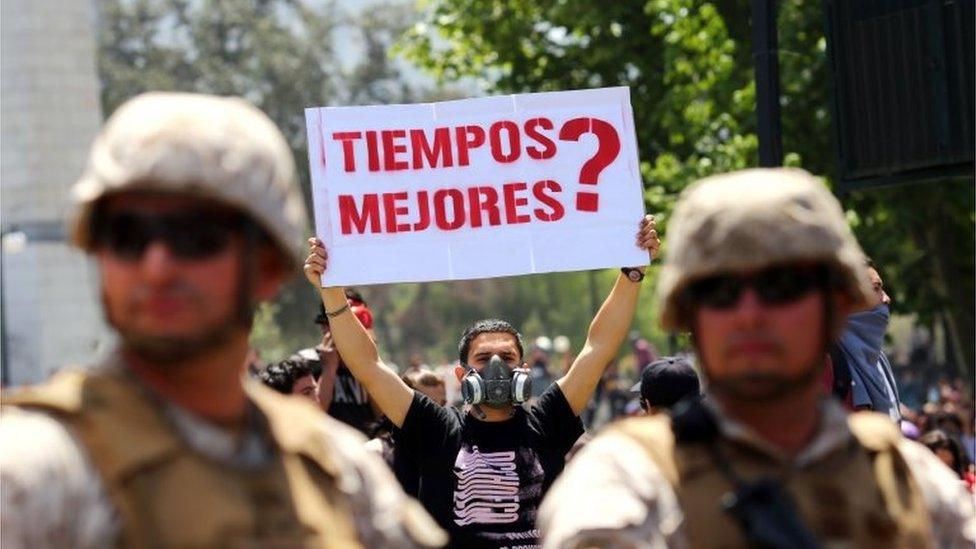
[774, 286]
[191, 235]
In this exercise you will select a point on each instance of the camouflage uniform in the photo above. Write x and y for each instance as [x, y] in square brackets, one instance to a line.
[630, 503]
[95, 458]
[856, 483]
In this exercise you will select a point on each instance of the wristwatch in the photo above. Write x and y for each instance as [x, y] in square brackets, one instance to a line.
[632, 273]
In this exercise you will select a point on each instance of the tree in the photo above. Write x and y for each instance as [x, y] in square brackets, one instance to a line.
[690, 72]
[278, 54]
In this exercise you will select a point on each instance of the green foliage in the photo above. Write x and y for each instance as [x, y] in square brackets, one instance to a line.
[266, 335]
[278, 54]
[691, 94]
[689, 69]
[687, 63]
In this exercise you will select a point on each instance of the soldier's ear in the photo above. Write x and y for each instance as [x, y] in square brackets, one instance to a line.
[459, 372]
[272, 273]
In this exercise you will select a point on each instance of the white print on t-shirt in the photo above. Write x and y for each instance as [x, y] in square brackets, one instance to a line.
[487, 487]
[348, 390]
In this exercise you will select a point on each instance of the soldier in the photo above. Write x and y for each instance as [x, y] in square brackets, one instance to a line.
[192, 211]
[762, 270]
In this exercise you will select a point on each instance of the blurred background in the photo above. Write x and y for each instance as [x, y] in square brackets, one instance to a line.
[690, 68]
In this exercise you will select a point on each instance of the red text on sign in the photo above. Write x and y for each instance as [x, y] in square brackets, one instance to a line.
[450, 209]
[444, 147]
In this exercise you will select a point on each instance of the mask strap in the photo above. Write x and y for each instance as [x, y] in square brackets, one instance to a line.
[247, 275]
[478, 412]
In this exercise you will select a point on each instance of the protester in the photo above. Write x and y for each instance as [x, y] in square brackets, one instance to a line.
[483, 471]
[862, 375]
[192, 212]
[339, 393]
[762, 269]
[664, 383]
[291, 377]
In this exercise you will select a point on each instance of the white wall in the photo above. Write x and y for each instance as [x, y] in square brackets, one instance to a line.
[49, 114]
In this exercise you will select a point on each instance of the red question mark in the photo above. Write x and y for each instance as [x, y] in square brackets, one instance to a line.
[606, 153]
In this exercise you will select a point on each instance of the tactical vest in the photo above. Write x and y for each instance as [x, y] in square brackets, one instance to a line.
[168, 495]
[859, 495]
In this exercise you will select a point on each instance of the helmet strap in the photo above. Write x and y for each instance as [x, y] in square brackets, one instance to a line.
[828, 284]
[247, 274]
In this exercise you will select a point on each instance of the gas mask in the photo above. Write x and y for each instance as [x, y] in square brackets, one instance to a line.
[497, 385]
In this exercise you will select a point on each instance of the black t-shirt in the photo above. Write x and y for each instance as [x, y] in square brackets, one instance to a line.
[350, 402]
[483, 481]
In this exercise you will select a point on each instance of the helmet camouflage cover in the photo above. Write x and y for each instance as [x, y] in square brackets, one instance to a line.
[750, 219]
[217, 148]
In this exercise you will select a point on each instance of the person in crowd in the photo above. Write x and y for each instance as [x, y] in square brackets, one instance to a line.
[416, 364]
[911, 389]
[862, 375]
[644, 352]
[428, 383]
[339, 393]
[291, 377]
[484, 470]
[947, 449]
[664, 383]
[968, 436]
[762, 270]
[191, 209]
[539, 366]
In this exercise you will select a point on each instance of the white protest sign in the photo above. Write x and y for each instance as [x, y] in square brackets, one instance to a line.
[476, 188]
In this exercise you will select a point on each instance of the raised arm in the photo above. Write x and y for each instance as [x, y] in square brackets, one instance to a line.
[607, 331]
[355, 346]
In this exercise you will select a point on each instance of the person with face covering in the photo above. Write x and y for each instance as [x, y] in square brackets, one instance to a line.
[483, 471]
[862, 373]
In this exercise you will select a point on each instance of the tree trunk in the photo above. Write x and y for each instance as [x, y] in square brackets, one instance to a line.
[960, 325]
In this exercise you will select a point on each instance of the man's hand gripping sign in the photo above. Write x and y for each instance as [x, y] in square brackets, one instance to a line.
[476, 188]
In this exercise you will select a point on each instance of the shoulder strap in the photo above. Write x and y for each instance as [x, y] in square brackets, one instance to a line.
[121, 432]
[311, 464]
[902, 496]
[654, 435]
[295, 424]
[62, 393]
[874, 431]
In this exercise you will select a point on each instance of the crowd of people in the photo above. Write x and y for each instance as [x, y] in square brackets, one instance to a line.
[782, 427]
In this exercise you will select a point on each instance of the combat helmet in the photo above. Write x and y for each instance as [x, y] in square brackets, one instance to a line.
[750, 219]
[217, 148]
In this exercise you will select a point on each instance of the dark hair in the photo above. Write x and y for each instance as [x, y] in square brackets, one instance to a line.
[422, 378]
[353, 295]
[937, 439]
[281, 376]
[487, 326]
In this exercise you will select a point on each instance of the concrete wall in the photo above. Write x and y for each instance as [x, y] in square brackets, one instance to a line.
[49, 98]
